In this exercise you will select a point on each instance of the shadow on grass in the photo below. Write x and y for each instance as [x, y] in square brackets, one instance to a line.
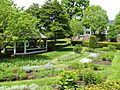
[65, 49]
[34, 57]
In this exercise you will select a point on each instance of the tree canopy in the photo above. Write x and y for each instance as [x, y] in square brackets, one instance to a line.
[114, 29]
[76, 27]
[53, 20]
[75, 7]
[15, 24]
[96, 18]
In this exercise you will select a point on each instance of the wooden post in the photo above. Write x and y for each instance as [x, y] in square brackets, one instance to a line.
[25, 47]
[14, 48]
[46, 45]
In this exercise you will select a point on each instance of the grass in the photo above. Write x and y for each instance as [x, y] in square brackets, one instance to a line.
[40, 82]
[32, 60]
[115, 67]
[65, 57]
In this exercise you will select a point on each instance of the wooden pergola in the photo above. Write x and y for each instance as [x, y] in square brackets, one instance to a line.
[28, 47]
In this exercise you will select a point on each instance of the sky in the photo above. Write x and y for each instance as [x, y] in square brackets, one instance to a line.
[111, 6]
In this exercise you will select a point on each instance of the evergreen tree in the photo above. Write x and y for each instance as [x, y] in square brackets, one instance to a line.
[53, 20]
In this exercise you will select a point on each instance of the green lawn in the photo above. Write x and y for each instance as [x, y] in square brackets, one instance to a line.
[32, 60]
[65, 59]
[115, 67]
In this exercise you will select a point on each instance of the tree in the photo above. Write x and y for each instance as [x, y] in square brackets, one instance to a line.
[76, 27]
[15, 24]
[75, 7]
[112, 33]
[114, 29]
[117, 23]
[53, 20]
[5, 12]
[96, 18]
[22, 26]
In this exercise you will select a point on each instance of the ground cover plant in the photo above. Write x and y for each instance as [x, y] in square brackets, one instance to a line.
[63, 60]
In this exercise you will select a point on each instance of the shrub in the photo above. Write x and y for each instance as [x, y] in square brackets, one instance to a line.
[93, 42]
[89, 50]
[109, 48]
[112, 48]
[68, 80]
[77, 48]
[107, 57]
[110, 85]
[89, 77]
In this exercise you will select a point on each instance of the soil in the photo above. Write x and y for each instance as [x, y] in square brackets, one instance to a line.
[103, 62]
[31, 75]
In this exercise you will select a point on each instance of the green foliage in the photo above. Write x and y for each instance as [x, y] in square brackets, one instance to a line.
[93, 42]
[53, 20]
[15, 24]
[75, 7]
[22, 26]
[110, 85]
[116, 27]
[77, 48]
[76, 27]
[108, 48]
[114, 69]
[112, 33]
[96, 18]
[11, 74]
[90, 77]
[68, 80]
[68, 58]
[5, 12]
[107, 57]
[82, 66]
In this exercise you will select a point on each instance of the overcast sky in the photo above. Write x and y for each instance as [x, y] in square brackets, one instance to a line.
[111, 6]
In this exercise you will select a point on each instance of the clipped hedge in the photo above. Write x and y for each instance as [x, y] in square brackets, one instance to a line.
[103, 44]
[59, 44]
[76, 42]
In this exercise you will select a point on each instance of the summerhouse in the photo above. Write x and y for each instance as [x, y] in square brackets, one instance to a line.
[31, 46]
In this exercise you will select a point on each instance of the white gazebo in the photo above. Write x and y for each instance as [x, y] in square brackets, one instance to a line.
[29, 46]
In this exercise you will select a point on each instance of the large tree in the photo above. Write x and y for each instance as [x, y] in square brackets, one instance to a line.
[76, 27]
[96, 18]
[112, 33]
[114, 29]
[5, 12]
[75, 7]
[117, 23]
[53, 20]
[22, 26]
[15, 24]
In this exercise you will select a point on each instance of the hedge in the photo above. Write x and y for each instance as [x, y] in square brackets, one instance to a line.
[59, 44]
[99, 44]
[76, 42]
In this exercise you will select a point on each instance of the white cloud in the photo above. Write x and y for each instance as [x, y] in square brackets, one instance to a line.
[111, 6]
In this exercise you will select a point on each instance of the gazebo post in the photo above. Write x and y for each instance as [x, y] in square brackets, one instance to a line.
[24, 47]
[14, 48]
[46, 44]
